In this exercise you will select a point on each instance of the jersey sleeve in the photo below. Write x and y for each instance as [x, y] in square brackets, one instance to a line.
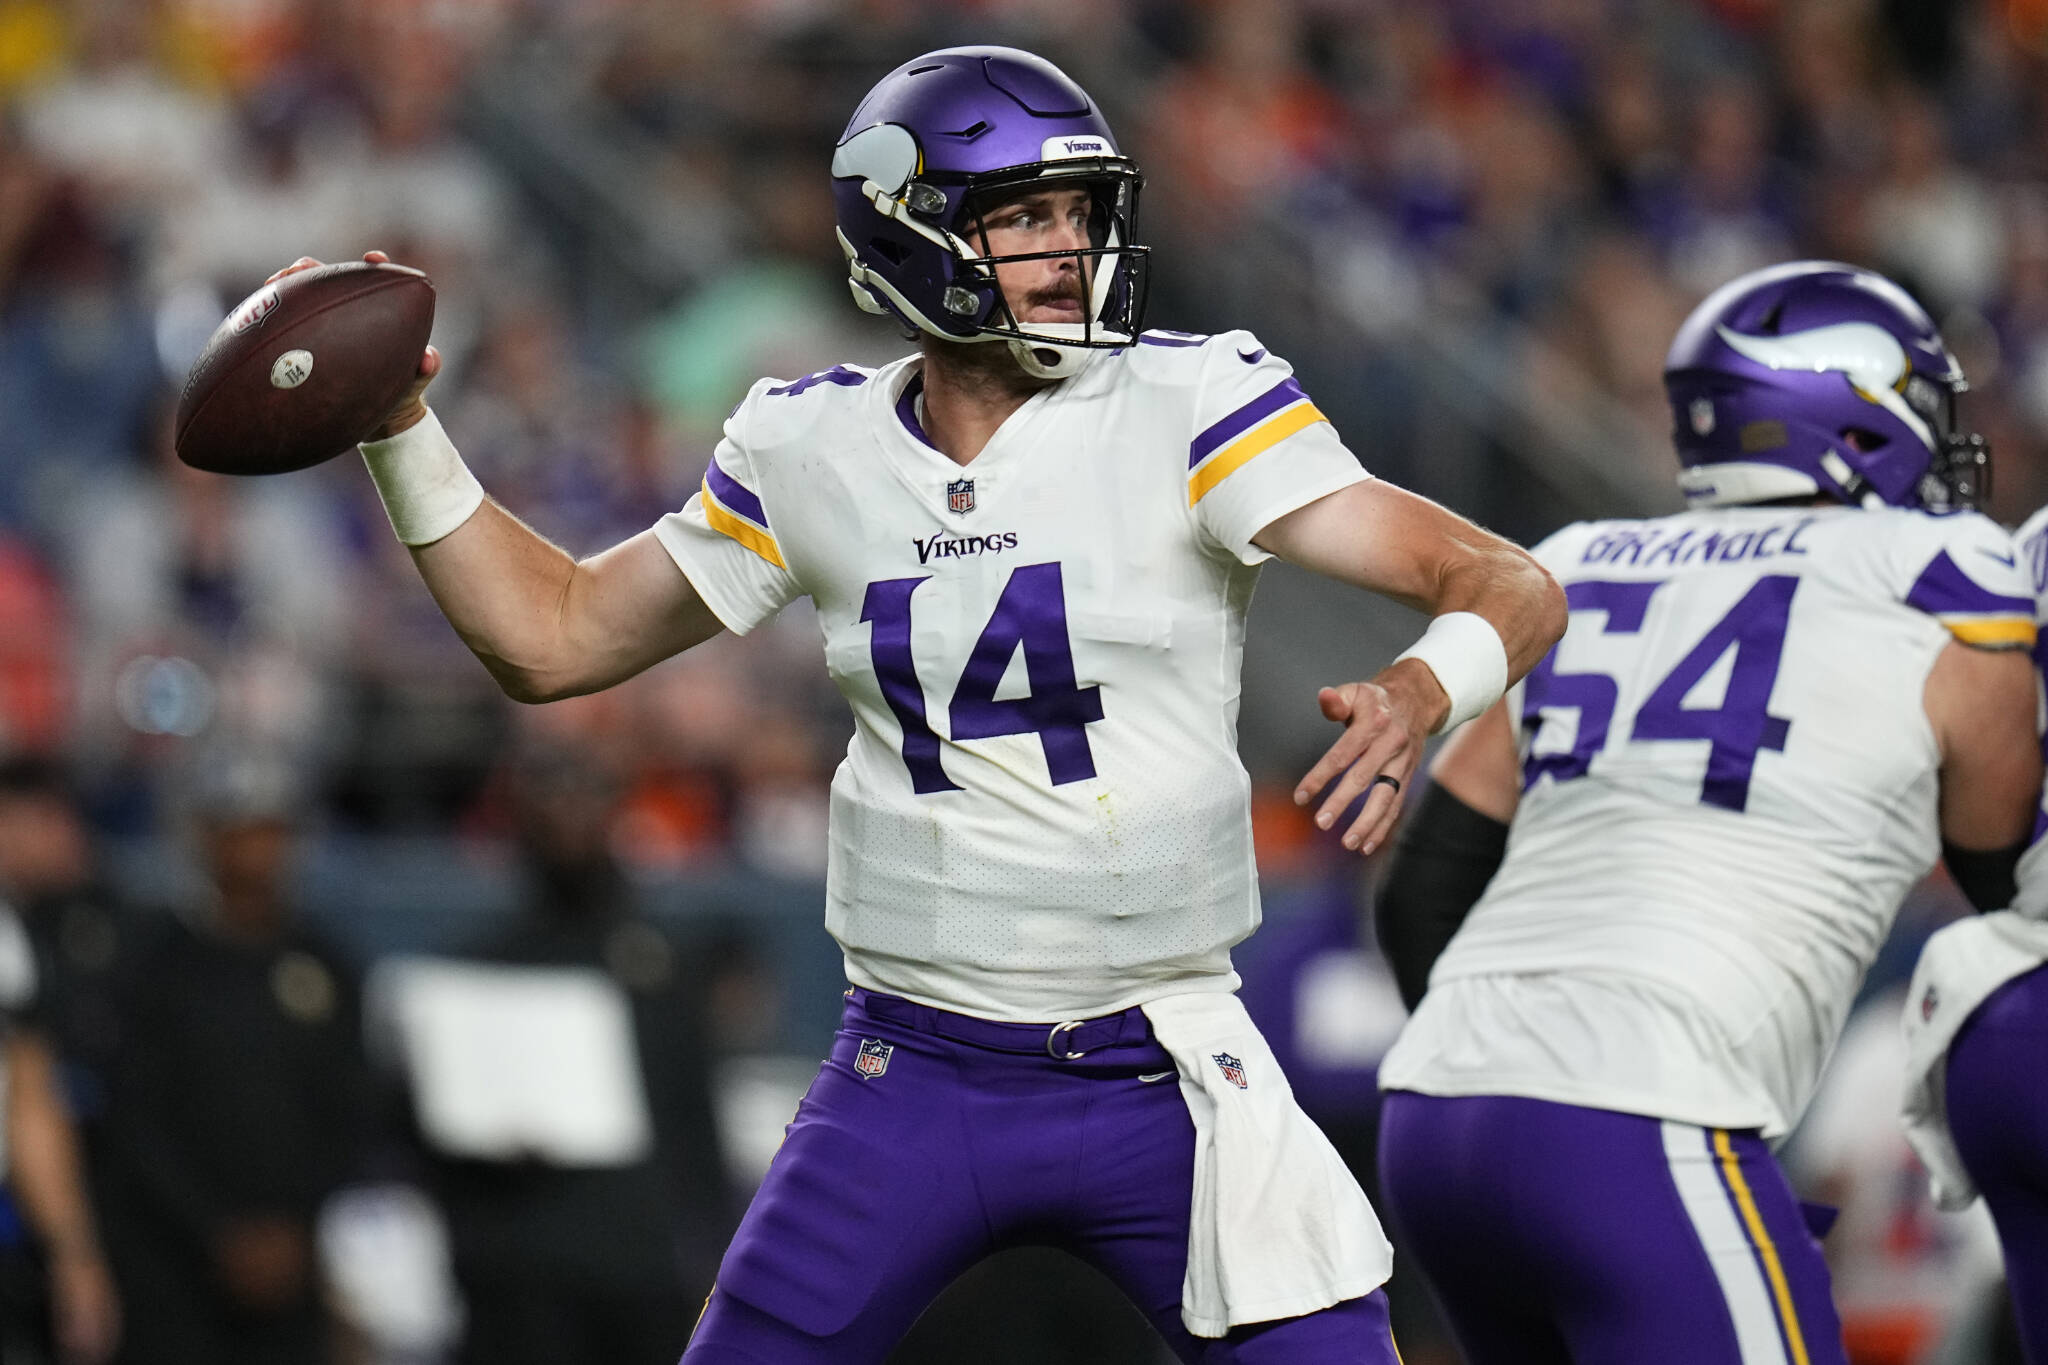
[2031, 540]
[723, 540]
[1261, 448]
[1966, 573]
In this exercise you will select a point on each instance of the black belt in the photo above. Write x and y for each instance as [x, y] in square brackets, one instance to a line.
[1066, 1040]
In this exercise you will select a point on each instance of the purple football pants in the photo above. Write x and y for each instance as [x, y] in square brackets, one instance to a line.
[1554, 1233]
[1998, 1113]
[929, 1141]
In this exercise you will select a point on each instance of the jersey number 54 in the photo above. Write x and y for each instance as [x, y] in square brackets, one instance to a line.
[1736, 729]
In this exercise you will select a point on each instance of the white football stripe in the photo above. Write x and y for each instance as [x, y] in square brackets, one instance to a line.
[1726, 1245]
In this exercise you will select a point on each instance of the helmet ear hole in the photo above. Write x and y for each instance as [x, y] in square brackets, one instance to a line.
[895, 253]
[1862, 441]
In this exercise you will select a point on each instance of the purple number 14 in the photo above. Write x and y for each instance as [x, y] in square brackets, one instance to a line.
[1736, 730]
[1030, 615]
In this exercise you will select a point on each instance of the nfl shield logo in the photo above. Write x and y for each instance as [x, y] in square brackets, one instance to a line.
[1701, 414]
[873, 1058]
[1930, 1001]
[1233, 1069]
[960, 496]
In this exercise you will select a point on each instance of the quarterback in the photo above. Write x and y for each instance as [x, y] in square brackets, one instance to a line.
[1770, 715]
[1976, 1109]
[1031, 546]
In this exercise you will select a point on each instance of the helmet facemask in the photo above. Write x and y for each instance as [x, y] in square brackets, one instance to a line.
[1958, 477]
[1114, 270]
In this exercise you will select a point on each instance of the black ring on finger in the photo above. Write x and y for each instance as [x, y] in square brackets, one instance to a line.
[1393, 782]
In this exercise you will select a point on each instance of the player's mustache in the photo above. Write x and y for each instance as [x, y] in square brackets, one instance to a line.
[1067, 290]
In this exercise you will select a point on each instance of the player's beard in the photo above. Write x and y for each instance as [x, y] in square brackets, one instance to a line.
[986, 365]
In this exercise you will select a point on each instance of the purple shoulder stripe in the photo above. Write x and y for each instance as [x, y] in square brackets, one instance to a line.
[735, 495]
[838, 374]
[1244, 419]
[1163, 338]
[1944, 589]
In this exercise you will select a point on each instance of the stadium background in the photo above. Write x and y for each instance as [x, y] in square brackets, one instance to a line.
[1472, 225]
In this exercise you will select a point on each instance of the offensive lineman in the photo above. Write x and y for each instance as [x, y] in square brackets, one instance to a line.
[1769, 716]
[1031, 547]
[1977, 1034]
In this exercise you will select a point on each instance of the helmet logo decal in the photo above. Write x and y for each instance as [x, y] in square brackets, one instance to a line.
[1871, 358]
[1701, 415]
[885, 154]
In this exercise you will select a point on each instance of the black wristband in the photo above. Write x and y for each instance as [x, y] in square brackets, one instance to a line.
[1986, 876]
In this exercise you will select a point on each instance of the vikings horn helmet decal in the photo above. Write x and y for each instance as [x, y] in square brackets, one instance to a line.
[918, 160]
[1818, 378]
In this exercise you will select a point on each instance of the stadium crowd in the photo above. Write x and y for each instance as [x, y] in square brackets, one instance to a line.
[625, 209]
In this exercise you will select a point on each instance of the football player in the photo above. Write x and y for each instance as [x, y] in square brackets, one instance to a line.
[1031, 546]
[1687, 833]
[1976, 1036]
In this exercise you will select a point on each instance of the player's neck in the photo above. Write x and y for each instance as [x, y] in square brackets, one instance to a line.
[969, 391]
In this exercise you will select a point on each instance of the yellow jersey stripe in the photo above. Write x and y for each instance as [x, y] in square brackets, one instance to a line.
[1991, 630]
[1238, 453]
[1781, 1290]
[745, 532]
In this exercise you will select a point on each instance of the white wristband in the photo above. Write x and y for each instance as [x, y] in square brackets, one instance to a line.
[427, 490]
[1471, 664]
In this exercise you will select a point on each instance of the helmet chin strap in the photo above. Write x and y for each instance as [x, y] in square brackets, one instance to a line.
[1042, 358]
[1855, 485]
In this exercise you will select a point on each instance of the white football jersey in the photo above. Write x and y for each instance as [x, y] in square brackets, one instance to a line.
[2032, 541]
[1729, 784]
[1041, 815]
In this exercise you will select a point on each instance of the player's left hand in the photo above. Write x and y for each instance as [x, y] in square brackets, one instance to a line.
[1385, 723]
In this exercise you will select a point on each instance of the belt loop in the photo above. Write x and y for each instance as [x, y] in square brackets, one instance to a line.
[1056, 1040]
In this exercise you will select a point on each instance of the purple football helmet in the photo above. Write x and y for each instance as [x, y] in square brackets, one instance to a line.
[915, 165]
[1816, 377]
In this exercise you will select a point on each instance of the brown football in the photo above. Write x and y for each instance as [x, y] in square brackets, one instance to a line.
[304, 368]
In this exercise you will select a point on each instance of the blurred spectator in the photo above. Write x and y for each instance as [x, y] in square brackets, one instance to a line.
[36, 711]
[120, 123]
[57, 1299]
[1933, 222]
[602, 1260]
[1732, 207]
[1246, 121]
[78, 361]
[86, 940]
[241, 1101]
[238, 585]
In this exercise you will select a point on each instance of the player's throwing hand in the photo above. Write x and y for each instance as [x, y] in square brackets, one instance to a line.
[412, 406]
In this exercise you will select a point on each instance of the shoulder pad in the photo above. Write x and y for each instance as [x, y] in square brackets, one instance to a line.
[778, 410]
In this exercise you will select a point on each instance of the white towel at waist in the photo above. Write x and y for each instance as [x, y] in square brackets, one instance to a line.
[1958, 970]
[1279, 1226]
